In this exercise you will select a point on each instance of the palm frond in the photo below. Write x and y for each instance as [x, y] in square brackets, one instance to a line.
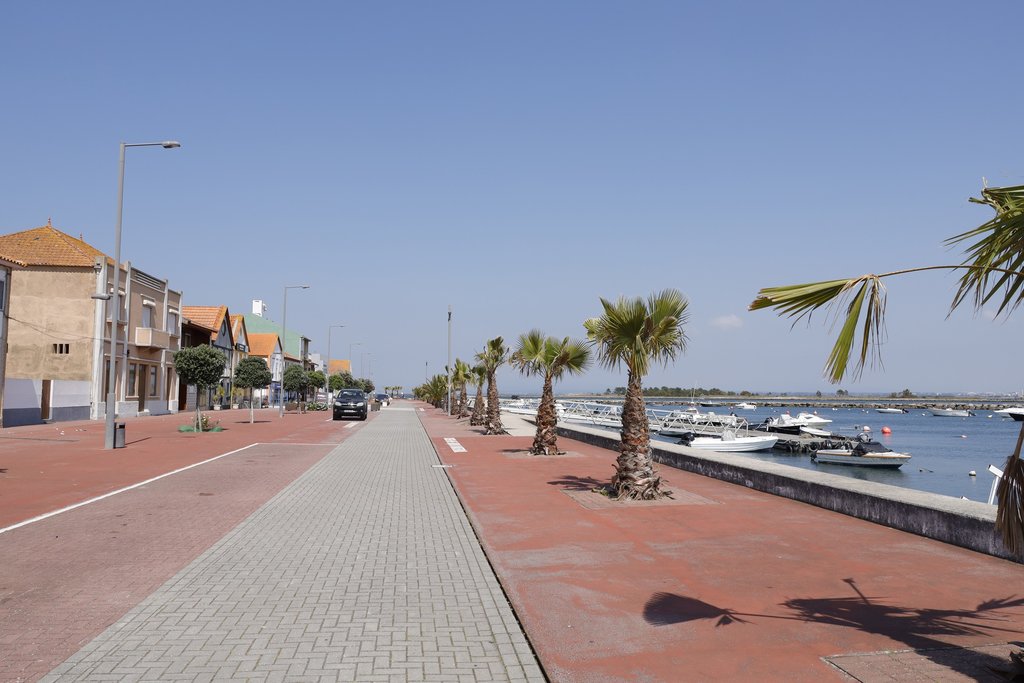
[994, 261]
[801, 301]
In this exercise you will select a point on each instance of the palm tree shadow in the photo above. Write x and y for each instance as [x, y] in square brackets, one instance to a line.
[664, 609]
[925, 630]
[573, 483]
[919, 629]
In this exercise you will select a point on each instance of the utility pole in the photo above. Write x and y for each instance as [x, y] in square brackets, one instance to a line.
[449, 360]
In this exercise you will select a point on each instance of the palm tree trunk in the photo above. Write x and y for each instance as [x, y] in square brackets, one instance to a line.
[478, 417]
[462, 400]
[545, 442]
[494, 425]
[635, 477]
[1010, 510]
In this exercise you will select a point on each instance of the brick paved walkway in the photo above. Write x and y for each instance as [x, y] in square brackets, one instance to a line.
[365, 568]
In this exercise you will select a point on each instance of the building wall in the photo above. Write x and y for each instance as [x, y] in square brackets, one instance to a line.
[51, 306]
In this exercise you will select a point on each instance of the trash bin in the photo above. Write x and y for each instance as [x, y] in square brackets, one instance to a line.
[119, 435]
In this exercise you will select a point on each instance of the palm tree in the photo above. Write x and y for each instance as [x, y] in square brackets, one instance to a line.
[539, 355]
[434, 391]
[460, 377]
[636, 333]
[479, 377]
[493, 357]
[991, 272]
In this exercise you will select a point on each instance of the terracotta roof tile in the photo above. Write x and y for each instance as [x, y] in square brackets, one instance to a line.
[206, 316]
[262, 344]
[47, 246]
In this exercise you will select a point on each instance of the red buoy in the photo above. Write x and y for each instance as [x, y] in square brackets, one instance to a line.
[886, 430]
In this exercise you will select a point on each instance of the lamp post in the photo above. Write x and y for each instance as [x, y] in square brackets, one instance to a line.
[108, 435]
[329, 392]
[449, 360]
[284, 334]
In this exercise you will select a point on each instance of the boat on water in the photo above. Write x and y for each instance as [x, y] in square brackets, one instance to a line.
[745, 406]
[890, 411]
[787, 424]
[865, 453]
[950, 412]
[1016, 413]
[732, 439]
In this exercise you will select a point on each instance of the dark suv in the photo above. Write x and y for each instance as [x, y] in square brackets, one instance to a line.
[350, 403]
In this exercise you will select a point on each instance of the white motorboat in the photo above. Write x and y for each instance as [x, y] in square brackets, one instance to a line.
[787, 424]
[731, 441]
[950, 412]
[745, 406]
[810, 420]
[866, 453]
[732, 438]
[1016, 413]
[890, 411]
[812, 431]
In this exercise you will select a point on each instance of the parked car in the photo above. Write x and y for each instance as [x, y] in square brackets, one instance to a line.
[350, 403]
[384, 399]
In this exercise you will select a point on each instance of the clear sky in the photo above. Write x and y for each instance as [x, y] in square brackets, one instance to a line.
[520, 160]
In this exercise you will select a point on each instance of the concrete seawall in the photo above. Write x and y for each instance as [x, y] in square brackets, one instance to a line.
[964, 523]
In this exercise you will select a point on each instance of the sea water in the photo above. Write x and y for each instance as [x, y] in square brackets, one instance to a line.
[944, 449]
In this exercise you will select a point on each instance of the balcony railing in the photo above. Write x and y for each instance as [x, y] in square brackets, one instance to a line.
[154, 339]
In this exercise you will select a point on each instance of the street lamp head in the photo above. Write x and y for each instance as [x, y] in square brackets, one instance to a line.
[170, 144]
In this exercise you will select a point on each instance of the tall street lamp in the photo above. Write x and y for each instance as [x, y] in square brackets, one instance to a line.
[108, 436]
[284, 334]
[328, 373]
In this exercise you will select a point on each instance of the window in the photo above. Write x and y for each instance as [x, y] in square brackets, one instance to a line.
[62, 349]
[172, 322]
[147, 316]
[133, 376]
[152, 380]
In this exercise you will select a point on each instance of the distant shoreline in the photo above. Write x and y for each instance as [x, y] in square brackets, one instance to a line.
[917, 403]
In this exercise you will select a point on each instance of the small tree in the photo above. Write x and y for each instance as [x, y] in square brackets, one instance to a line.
[201, 367]
[368, 385]
[295, 379]
[317, 379]
[252, 373]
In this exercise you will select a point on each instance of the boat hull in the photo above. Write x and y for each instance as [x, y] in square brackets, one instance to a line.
[845, 457]
[743, 444]
[949, 412]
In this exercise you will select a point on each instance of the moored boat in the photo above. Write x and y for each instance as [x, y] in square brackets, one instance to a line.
[890, 411]
[866, 453]
[950, 412]
[729, 441]
[745, 406]
[1016, 413]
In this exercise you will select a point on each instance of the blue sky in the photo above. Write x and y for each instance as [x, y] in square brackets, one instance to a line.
[520, 160]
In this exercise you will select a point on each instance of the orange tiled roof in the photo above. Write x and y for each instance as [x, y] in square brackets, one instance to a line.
[206, 316]
[47, 246]
[237, 325]
[262, 344]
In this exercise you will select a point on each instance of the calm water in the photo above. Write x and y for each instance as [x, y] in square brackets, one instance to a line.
[944, 449]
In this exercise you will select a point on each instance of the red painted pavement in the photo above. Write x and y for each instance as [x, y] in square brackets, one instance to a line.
[63, 580]
[726, 583]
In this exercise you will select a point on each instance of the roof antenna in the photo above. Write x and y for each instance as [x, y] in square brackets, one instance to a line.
[48, 223]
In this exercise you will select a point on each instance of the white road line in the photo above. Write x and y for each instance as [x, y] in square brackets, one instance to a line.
[47, 515]
[454, 445]
[351, 425]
